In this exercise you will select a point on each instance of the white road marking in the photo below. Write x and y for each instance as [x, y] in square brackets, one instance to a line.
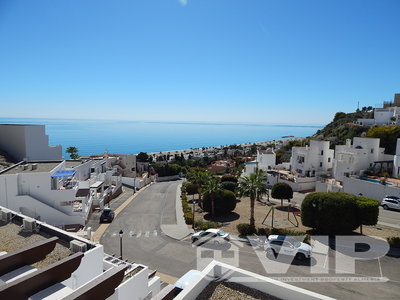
[380, 267]
[147, 234]
[155, 233]
[131, 233]
[139, 234]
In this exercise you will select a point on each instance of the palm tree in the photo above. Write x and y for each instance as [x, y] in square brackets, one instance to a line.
[212, 187]
[252, 186]
[198, 177]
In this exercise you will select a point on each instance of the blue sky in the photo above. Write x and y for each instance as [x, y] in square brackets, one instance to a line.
[259, 61]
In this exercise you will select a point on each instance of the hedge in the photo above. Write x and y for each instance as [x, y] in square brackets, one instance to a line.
[245, 229]
[224, 201]
[167, 169]
[204, 225]
[229, 185]
[229, 178]
[368, 210]
[282, 190]
[334, 213]
[191, 188]
[394, 241]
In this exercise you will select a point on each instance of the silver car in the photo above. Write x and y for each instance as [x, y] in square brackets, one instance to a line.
[391, 202]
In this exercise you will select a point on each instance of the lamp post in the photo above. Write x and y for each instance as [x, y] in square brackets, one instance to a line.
[120, 242]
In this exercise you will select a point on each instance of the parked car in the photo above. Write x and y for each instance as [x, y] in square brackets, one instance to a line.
[107, 215]
[391, 202]
[280, 244]
[216, 236]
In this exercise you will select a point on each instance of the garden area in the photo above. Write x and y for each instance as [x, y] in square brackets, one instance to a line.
[237, 206]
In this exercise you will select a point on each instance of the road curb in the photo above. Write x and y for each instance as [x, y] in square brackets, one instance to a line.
[103, 227]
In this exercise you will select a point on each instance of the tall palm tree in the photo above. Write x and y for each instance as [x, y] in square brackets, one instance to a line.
[252, 186]
[198, 177]
[212, 187]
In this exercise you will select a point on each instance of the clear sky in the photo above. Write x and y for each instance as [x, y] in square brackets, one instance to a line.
[265, 61]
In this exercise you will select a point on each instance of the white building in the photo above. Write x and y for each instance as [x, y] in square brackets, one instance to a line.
[124, 163]
[313, 160]
[382, 116]
[28, 142]
[266, 160]
[59, 193]
[70, 267]
[363, 154]
[396, 161]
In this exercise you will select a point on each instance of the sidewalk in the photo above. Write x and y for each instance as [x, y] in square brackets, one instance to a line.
[99, 232]
[180, 230]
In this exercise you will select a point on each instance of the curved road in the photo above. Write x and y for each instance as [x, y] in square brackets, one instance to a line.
[143, 240]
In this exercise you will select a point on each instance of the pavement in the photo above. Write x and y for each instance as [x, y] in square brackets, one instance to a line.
[179, 230]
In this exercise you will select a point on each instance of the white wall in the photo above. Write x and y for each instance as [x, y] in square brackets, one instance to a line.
[369, 189]
[12, 140]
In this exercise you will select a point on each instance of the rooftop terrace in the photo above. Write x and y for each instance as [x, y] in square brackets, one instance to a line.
[31, 167]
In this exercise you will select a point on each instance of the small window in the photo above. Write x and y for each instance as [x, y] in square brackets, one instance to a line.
[320, 164]
[322, 152]
[329, 159]
[372, 150]
[278, 243]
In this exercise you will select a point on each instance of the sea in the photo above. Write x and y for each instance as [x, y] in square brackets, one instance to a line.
[124, 137]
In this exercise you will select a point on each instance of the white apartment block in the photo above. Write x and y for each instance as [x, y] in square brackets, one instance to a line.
[382, 116]
[363, 154]
[28, 142]
[266, 160]
[58, 192]
[313, 160]
[396, 161]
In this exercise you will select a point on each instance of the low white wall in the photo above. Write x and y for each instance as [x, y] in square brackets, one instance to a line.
[302, 184]
[327, 187]
[369, 189]
[137, 182]
[136, 288]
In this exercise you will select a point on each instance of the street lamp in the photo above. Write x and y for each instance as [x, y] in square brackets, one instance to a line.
[120, 242]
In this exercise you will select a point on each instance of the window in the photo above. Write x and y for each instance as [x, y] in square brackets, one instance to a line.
[372, 150]
[322, 152]
[320, 164]
[329, 159]
[300, 159]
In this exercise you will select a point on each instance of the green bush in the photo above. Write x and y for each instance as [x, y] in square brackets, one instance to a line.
[229, 178]
[368, 210]
[229, 185]
[394, 241]
[204, 225]
[282, 231]
[334, 213]
[281, 191]
[245, 229]
[167, 169]
[224, 201]
[192, 188]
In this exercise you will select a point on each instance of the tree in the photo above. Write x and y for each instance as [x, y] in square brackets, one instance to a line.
[368, 209]
[229, 177]
[229, 185]
[388, 135]
[73, 152]
[251, 186]
[282, 191]
[330, 213]
[211, 189]
[198, 177]
[224, 202]
[142, 157]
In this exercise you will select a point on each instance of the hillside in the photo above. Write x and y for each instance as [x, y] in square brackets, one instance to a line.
[342, 127]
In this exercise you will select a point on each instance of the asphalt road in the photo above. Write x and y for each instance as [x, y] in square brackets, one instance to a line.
[143, 242]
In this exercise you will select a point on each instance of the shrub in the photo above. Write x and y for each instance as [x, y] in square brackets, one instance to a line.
[333, 213]
[192, 188]
[229, 178]
[204, 225]
[368, 210]
[245, 229]
[167, 169]
[282, 231]
[394, 241]
[229, 185]
[281, 191]
[224, 201]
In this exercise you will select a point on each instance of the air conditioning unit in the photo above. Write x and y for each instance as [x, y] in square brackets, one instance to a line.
[5, 215]
[77, 246]
[29, 225]
[34, 167]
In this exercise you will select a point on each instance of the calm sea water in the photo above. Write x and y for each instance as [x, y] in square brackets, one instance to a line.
[97, 136]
